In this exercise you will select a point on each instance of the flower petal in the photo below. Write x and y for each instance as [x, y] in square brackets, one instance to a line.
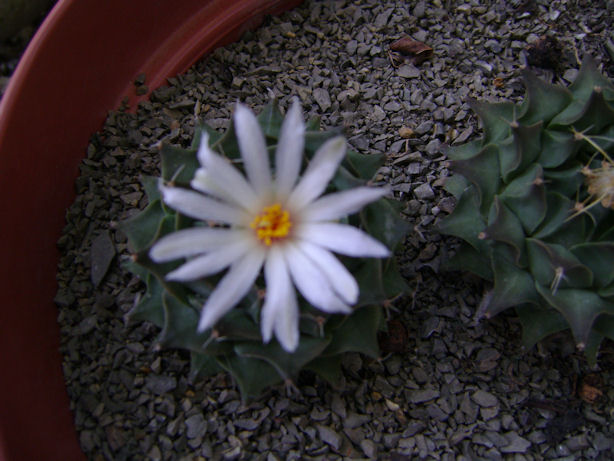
[343, 239]
[280, 312]
[340, 279]
[223, 178]
[312, 282]
[233, 286]
[289, 153]
[193, 241]
[253, 149]
[211, 263]
[319, 172]
[200, 207]
[340, 204]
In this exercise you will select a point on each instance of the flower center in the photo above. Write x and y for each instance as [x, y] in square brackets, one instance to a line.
[272, 224]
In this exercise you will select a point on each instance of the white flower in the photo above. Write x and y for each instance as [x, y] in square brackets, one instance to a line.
[283, 224]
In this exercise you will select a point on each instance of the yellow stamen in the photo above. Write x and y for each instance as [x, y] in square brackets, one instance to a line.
[272, 224]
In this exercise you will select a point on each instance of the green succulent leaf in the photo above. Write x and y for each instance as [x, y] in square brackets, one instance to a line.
[599, 257]
[465, 221]
[496, 118]
[150, 306]
[588, 78]
[538, 323]
[526, 197]
[481, 170]
[314, 139]
[287, 365]
[252, 375]
[271, 119]
[512, 287]
[593, 115]
[604, 325]
[227, 144]
[504, 226]
[203, 365]
[558, 209]
[456, 185]
[543, 100]
[143, 229]
[566, 182]
[527, 144]
[464, 151]
[557, 148]
[579, 307]
[382, 220]
[328, 368]
[179, 325]
[150, 185]
[553, 264]
[201, 127]
[469, 259]
[357, 332]
[378, 281]
[364, 166]
[177, 164]
[238, 325]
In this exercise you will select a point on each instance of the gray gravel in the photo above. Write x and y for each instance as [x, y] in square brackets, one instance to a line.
[457, 389]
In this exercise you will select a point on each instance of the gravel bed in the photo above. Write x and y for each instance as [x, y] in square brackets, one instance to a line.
[453, 388]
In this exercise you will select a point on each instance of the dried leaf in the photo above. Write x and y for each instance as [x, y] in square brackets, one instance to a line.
[416, 51]
[395, 339]
[590, 391]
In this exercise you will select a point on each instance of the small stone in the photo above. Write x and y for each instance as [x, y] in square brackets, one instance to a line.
[101, 256]
[354, 420]
[424, 395]
[351, 47]
[247, 424]
[329, 436]
[408, 71]
[484, 399]
[516, 444]
[322, 97]
[392, 106]
[160, 384]
[424, 192]
[433, 147]
[369, 448]
[419, 10]
[196, 426]
[154, 453]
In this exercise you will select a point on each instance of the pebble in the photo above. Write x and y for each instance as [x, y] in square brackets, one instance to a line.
[424, 395]
[484, 399]
[330, 437]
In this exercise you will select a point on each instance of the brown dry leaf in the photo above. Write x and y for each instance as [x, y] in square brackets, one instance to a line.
[498, 82]
[413, 50]
[395, 339]
[590, 390]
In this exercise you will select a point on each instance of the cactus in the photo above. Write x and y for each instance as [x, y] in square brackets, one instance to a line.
[534, 208]
[235, 342]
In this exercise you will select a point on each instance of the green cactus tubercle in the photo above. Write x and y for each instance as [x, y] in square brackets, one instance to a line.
[534, 208]
[235, 344]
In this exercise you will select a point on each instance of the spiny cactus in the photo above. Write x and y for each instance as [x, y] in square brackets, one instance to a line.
[534, 208]
[236, 341]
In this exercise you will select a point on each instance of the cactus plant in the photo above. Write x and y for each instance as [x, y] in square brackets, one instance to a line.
[237, 337]
[534, 208]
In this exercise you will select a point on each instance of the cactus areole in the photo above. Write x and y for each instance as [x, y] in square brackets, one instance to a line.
[534, 208]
